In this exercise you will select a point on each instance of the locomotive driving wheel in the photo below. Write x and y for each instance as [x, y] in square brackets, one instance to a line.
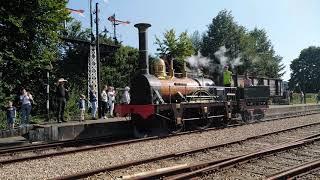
[174, 128]
[204, 123]
[246, 116]
[144, 127]
[258, 114]
[170, 123]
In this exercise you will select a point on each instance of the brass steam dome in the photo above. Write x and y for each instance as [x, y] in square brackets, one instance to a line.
[160, 69]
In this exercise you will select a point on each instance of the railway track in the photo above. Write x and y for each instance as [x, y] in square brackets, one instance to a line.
[73, 144]
[263, 163]
[309, 170]
[173, 163]
[26, 153]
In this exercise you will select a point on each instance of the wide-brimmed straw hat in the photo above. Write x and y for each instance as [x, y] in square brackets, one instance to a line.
[127, 88]
[61, 80]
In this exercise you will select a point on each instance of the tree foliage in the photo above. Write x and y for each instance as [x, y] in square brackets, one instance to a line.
[73, 60]
[253, 48]
[29, 32]
[116, 67]
[266, 62]
[305, 71]
[196, 40]
[223, 31]
[120, 69]
[176, 48]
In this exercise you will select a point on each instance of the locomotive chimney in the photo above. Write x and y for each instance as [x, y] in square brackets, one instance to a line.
[143, 47]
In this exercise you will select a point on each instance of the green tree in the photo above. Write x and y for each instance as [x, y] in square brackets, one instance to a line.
[73, 60]
[119, 70]
[196, 40]
[305, 71]
[245, 51]
[266, 62]
[175, 48]
[222, 32]
[29, 32]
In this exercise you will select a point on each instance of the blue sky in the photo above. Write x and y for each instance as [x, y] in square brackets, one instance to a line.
[292, 25]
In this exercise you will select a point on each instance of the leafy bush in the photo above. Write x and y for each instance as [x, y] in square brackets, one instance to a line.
[3, 120]
[310, 98]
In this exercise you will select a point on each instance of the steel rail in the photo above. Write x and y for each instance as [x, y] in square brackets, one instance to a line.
[177, 154]
[176, 171]
[43, 146]
[245, 158]
[296, 171]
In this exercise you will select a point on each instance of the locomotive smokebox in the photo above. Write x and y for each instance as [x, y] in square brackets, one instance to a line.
[143, 47]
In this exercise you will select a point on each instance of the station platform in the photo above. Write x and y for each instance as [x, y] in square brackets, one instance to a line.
[52, 131]
[279, 109]
[13, 141]
[292, 105]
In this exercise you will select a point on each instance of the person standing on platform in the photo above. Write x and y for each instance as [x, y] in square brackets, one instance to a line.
[227, 77]
[11, 115]
[301, 97]
[104, 101]
[291, 97]
[61, 97]
[247, 82]
[25, 100]
[82, 106]
[111, 99]
[94, 101]
[126, 96]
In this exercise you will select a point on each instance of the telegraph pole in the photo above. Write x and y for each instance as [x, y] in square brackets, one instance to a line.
[48, 96]
[115, 22]
[91, 24]
[92, 61]
[115, 30]
[98, 59]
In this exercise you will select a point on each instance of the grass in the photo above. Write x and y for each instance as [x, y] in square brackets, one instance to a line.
[311, 98]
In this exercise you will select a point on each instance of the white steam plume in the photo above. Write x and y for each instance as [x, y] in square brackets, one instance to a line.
[220, 55]
[198, 61]
[224, 60]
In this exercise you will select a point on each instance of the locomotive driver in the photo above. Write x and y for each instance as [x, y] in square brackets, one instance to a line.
[227, 77]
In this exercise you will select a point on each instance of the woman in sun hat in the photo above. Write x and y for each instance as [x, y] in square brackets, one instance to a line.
[62, 96]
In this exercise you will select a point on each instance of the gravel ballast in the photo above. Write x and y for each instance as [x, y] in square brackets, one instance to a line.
[83, 161]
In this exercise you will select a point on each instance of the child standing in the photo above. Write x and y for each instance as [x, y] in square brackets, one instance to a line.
[82, 106]
[111, 99]
[11, 115]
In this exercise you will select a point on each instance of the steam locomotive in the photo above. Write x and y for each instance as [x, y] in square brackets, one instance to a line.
[161, 101]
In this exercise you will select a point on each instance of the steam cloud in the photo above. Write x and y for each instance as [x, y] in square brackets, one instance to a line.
[198, 61]
[220, 55]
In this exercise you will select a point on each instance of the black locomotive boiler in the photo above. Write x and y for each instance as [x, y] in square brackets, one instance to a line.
[161, 101]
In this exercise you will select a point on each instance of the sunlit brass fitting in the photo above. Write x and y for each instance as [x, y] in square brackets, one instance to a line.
[160, 69]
